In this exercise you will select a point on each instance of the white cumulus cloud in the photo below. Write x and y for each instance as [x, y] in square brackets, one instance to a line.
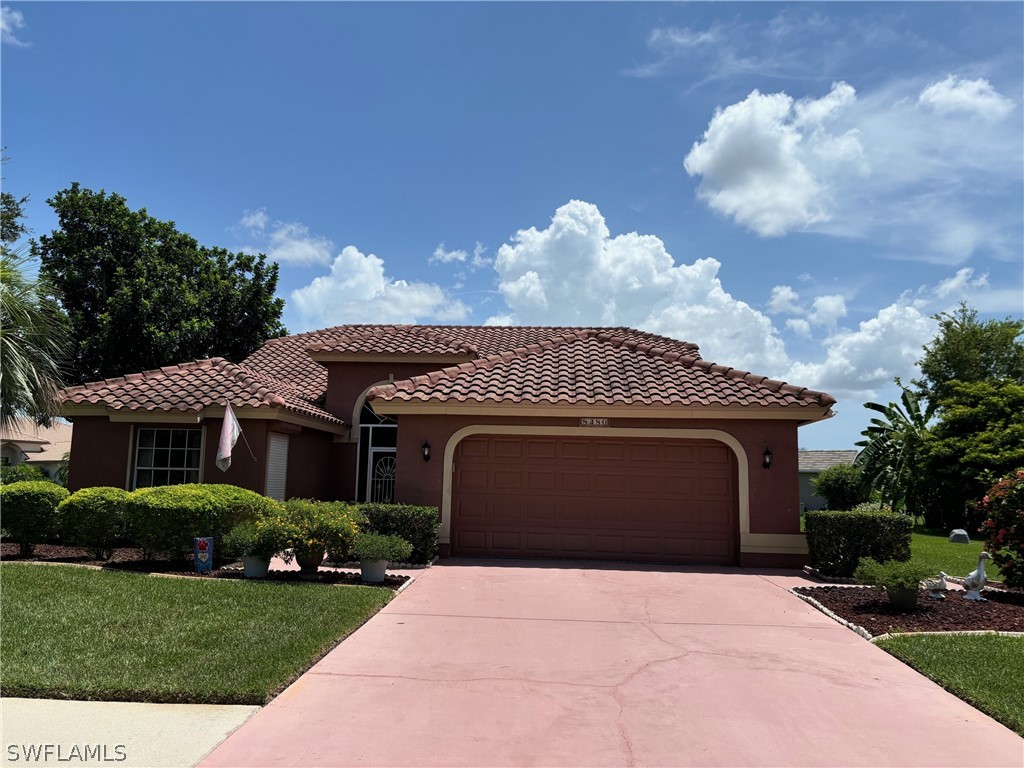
[955, 94]
[826, 310]
[784, 301]
[575, 272]
[442, 256]
[756, 159]
[357, 290]
[10, 22]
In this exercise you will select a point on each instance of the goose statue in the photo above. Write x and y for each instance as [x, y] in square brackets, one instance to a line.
[974, 582]
[936, 586]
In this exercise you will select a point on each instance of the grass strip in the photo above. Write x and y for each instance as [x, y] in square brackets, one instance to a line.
[932, 548]
[986, 671]
[78, 633]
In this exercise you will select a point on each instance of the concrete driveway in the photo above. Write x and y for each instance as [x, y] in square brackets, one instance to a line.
[502, 663]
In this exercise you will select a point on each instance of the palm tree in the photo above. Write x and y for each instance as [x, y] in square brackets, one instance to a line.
[893, 450]
[33, 343]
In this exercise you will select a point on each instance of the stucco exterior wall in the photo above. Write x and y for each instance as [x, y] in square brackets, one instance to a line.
[774, 498]
[102, 455]
[346, 381]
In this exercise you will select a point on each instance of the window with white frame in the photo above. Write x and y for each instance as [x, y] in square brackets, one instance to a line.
[167, 457]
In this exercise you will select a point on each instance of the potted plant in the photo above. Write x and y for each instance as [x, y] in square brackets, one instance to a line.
[319, 526]
[375, 551]
[257, 541]
[900, 580]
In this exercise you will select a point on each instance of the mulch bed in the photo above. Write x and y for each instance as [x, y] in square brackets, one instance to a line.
[869, 608]
[130, 559]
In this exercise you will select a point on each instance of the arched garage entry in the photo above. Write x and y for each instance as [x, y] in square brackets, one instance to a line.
[669, 496]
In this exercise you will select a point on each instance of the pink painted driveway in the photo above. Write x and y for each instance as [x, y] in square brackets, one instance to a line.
[509, 663]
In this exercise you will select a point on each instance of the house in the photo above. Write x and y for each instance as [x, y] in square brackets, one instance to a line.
[25, 442]
[813, 462]
[606, 443]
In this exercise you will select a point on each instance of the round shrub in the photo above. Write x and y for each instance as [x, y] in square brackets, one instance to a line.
[894, 574]
[1003, 528]
[94, 518]
[374, 546]
[30, 511]
[841, 486]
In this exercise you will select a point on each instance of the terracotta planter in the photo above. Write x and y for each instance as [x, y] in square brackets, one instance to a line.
[309, 562]
[255, 567]
[373, 571]
[902, 598]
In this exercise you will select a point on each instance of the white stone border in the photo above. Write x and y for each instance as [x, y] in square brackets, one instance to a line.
[832, 614]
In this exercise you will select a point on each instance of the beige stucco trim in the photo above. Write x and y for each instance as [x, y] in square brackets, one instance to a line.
[166, 417]
[777, 543]
[742, 468]
[364, 357]
[358, 408]
[790, 413]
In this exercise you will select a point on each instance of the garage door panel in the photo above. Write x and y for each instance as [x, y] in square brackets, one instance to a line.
[644, 499]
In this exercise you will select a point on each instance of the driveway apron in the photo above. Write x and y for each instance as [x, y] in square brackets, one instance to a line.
[516, 663]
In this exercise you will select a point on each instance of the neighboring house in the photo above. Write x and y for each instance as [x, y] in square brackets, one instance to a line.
[813, 462]
[25, 442]
[605, 443]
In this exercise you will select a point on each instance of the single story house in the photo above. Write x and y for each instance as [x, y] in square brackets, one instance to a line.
[813, 462]
[603, 443]
[25, 442]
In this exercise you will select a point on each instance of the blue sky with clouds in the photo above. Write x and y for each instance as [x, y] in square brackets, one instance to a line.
[796, 188]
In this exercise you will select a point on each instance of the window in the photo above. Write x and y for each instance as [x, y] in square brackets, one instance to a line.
[378, 438]
[167, 457]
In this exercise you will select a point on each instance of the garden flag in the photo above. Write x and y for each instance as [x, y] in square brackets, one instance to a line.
[229, 432]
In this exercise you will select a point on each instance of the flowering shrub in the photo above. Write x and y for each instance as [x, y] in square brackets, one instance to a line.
[1003, 507]
[263, 537]
[321, 525]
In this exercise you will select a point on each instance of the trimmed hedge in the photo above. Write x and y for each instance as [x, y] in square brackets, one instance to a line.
[94, 518]
[417, 525]
[30, 511]
[166, 519]
[838, 540]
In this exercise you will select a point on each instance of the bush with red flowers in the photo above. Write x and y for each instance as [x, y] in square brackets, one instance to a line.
[1003, 507]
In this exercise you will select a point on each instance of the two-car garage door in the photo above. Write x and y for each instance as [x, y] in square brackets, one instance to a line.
[657, 500]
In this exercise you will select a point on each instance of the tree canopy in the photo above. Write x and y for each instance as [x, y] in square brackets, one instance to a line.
[139, 294]
[967, 349]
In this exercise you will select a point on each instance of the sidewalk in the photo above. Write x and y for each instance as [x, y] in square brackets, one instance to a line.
[132, 735]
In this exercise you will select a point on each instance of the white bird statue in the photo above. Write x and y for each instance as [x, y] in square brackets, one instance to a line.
[974, 582]
[936, 587]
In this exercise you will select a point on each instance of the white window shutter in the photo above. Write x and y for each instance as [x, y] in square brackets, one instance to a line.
[277, 465]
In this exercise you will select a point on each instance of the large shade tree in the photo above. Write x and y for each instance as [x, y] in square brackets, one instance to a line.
[140, 294]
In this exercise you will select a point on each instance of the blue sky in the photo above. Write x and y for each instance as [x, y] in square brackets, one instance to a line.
[795, 187]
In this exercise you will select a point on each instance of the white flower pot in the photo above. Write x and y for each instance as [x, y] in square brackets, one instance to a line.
[255, 567]
[373, 571]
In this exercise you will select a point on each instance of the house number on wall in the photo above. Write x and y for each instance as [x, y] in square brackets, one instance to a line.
[592, 422]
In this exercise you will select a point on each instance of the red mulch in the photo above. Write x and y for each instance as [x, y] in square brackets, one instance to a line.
[869, 608]
[130, 559]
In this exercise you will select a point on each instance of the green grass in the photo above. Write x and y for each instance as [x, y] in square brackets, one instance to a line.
[933, 549]
[986, 671]
[87, 634]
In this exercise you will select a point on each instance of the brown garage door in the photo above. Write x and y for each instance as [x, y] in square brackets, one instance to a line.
[670, 501]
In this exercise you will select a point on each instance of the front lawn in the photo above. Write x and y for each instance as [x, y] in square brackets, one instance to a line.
[932, 548]
[986, 671]
[86, 634]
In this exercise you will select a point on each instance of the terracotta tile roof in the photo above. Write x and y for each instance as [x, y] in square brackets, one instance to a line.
[588, 366]
[191, 386]
[39, 444]
[815, 461]
[557, 365]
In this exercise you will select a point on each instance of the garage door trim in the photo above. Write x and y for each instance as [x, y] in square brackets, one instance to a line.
[742, 485]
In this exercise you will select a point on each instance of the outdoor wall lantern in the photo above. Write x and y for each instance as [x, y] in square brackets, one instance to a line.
[766, 458]
[426, 451]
